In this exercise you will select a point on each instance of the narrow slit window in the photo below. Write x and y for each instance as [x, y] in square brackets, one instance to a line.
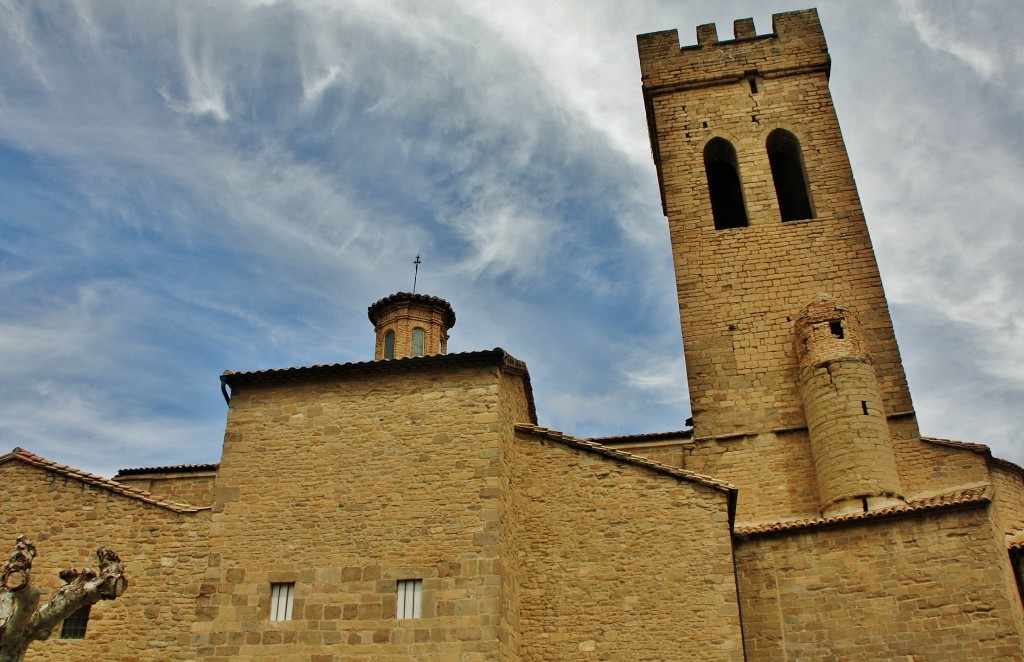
[74, 625]
[723, 173]
[419, 337]
[410, 598]
[789, 176]
[281, 599]
[864, 407]
[389, 345]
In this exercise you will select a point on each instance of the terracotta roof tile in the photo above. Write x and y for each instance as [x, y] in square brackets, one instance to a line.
[600, 449]
[976, 495]
[373, 312]
[175, 468]
[98, 481]
[646, 436]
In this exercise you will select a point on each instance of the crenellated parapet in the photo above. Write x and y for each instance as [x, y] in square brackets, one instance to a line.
[796, 45]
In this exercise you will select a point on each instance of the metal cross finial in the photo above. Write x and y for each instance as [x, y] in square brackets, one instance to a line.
[416, 275]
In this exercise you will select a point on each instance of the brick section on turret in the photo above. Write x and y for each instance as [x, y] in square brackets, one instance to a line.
[404, 312]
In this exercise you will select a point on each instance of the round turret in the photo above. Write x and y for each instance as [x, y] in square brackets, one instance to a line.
[849, 433]
[411, 325]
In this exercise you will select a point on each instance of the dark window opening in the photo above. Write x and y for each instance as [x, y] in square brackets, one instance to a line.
[836, 327]
[864, 502]
[864, 406]
[753, 84]
[788, 174]
[389, 345]
[75, 624]
[1017, 562]
[724, 187]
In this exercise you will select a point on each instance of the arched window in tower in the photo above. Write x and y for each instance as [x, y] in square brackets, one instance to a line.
[389, 345]
[723, 172]
[788, 173]
[419, 337]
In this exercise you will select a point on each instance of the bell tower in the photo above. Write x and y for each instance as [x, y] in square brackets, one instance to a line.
[765, 221]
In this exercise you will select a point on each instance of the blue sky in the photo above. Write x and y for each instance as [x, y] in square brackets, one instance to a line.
[192, 187]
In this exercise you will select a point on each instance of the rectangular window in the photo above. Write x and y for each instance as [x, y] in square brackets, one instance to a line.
[75, 624]
[281, 596]
[410, 598]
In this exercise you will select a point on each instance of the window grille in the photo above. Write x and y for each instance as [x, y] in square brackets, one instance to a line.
[75, 624]
[410, 598]
[281, 596]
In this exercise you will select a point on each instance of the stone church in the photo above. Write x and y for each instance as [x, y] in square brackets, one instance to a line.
[410, 507]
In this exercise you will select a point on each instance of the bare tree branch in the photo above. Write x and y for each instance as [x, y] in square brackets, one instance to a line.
[21, 623]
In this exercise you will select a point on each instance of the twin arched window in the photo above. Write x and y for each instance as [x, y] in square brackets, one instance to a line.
[726, 191]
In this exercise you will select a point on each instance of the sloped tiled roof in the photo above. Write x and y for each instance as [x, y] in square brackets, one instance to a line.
[646, 436]
[491, 357]
[176, 468]
[97, 481]
[373, 312]
[591, 446]
[966, 497]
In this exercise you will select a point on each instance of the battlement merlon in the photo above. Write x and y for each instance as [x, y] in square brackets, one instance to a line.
[796, 46]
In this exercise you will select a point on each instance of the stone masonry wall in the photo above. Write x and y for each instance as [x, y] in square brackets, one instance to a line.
[773, 471]
[196, 489]
[739, 289]
[1008, 485]
[514, 408]
[927, 468]
[617, 562]
[164, 552]
[670, 453]
[344, 486]
[931, 587]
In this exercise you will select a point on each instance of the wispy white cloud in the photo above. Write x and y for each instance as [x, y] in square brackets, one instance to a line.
[937, 26]
[200, 186]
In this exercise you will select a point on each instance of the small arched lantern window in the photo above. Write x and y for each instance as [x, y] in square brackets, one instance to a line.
[723, 172]
[419, 337]
[389, 345]
[787, 165]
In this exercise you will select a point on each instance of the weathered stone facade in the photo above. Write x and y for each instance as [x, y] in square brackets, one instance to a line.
[411, 508]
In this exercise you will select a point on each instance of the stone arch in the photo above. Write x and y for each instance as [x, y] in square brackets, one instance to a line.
[788, 174]
[724, 187]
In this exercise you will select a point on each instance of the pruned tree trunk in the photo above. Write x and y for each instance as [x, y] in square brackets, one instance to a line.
[21, 622]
